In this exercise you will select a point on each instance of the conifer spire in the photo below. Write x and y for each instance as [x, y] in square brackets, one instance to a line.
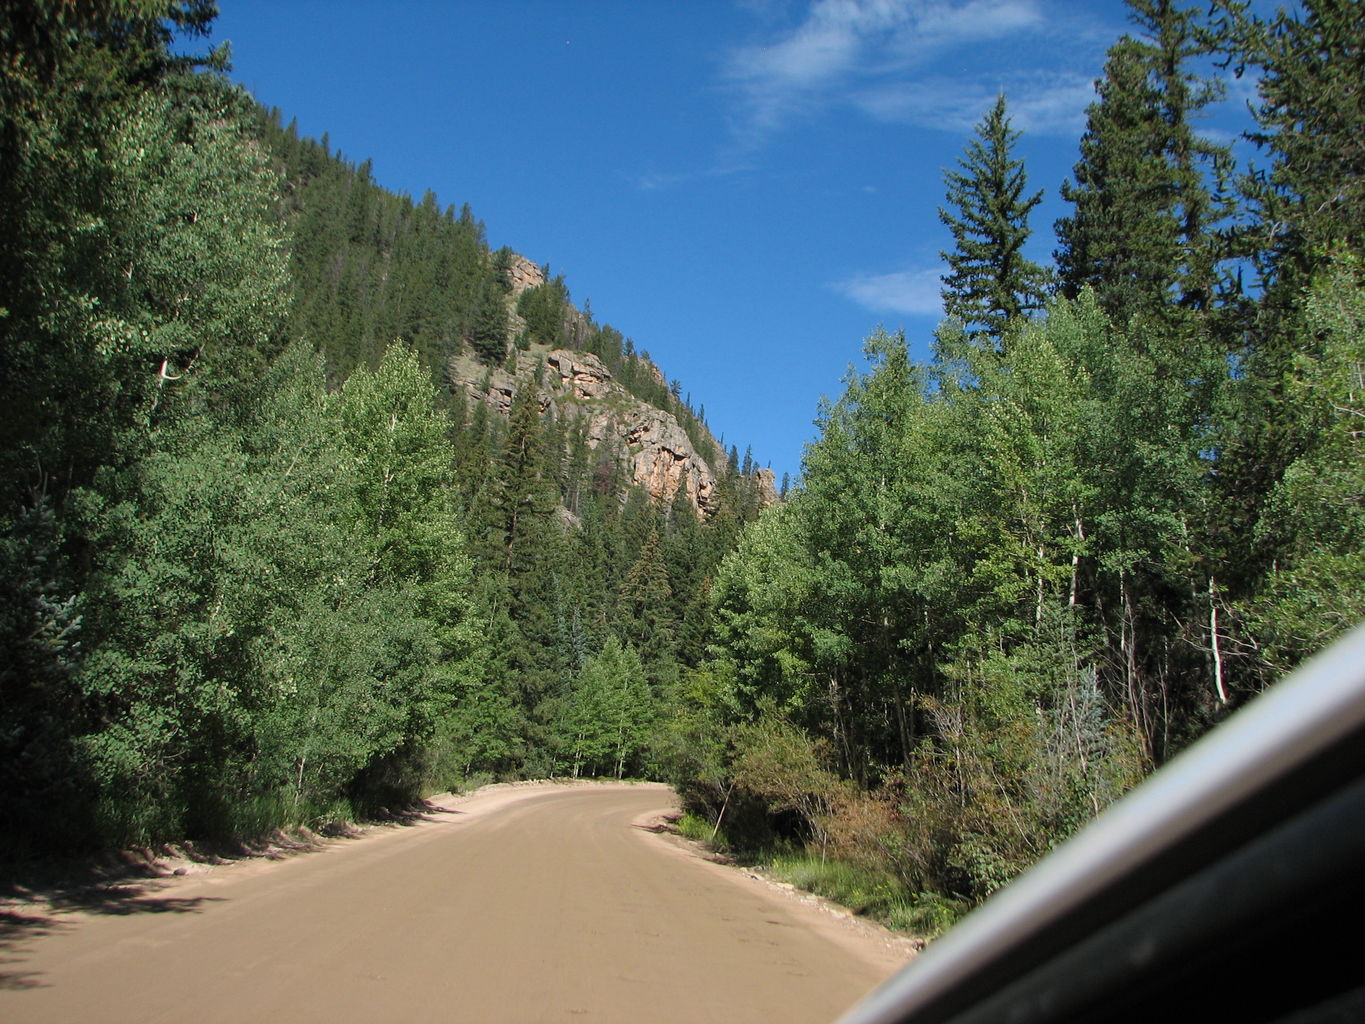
[990, 282]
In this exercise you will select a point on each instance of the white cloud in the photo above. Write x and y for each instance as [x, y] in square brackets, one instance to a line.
[1054, 105]
[776, 78]
[945, 24]
[651, 181]
[914, 291]
[934, 64]
[1243, 92]
[842, 48]
[655, 181]
[1039, 103]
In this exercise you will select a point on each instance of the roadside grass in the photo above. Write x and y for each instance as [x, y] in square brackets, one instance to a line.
[861, 891]
[698, 829]
[928, 915]
[869, 893]
[468, 783]
[121, 824]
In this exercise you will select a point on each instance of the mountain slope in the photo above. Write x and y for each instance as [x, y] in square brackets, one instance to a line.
[371, 266]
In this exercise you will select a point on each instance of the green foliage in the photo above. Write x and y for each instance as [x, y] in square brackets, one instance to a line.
[252, 571]
[257, 567]
[928, 914]
[932, 608]
[267, 621]
[399, 467]
[695, 828]
[203, 288]
[1147, 189]
[144, 253]
[1311, 198]
[369, 266]
[544, 309]
[781, 766]
[1301, 212]
[608, 713]
[808, 606]
[1315, 516]
[488, 324]
[989, 281]
[39, 695]
[862, 891]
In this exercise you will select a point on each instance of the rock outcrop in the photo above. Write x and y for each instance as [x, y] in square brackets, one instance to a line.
[522, 274]
[654, 447]
[767, 487]
[651, 444]
[581, 373]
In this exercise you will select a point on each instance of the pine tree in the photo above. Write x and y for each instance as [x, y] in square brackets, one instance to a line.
[1310, 119]
[1307, 212]
[487, 329]
[527, 496]
[1142, 230]
[645, 603]
[990, 282]
[525, 535]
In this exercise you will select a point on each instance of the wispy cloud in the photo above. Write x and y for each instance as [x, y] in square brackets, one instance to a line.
[1242, 93]
[656, 180]
[872, 55]
[775, 79]
[1041, 103]
[1052, 104]
[933, 64]
[940, 25]
[915, 291]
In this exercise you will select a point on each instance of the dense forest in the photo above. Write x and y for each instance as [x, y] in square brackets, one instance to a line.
[1123, 497]
[263, 563]
[260, 563]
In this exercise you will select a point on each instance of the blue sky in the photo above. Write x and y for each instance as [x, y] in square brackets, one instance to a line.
[746, 189]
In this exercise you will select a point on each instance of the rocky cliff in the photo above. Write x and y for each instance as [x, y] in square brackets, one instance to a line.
[523, 274]
[656, 450]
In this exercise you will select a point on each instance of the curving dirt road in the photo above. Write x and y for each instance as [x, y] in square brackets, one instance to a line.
[518, 905]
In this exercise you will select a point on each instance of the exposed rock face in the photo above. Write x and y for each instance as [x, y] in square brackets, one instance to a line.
[659, 450]
[492, 386]
[652, 444]
[523, 275]
[582, 373]
[767, 487]
[661, 453]
[649, 442]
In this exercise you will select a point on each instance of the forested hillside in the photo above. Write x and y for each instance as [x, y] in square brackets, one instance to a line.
[261, 562]
[312, 502]
[1126, 494]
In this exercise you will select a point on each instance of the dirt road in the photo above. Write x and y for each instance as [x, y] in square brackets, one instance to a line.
[519, 905]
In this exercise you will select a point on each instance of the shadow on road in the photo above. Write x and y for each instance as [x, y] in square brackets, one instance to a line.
[127, 882]
[34, 900]
[15, 930]
[28, 915]
[413, 814]
[36, 896]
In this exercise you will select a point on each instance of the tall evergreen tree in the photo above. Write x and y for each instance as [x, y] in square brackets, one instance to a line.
[1309, 121]
[1306, 212]
[523, 499]
[1142, 229]
[487, 328]
[1314, 518]
[645, 603]
[990, 281]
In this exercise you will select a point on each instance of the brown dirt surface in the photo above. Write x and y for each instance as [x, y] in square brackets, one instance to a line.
[518, 903]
